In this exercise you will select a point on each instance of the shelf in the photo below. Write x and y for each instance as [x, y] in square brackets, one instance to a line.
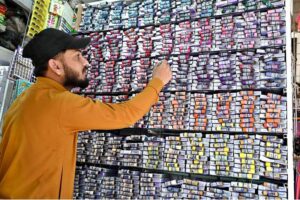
[188, 175]
[90, 2]
[26, 4]
[5, 55]
[275, 90]
[173, 132]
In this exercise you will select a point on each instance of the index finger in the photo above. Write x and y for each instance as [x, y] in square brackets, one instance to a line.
[164, 61]
[157, 64]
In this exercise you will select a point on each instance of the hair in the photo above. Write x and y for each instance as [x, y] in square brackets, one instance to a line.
[40, 69]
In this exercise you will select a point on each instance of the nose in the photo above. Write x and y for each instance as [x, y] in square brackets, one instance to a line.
[85, 61]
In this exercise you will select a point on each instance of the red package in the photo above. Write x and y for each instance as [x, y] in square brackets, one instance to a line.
[3, 9]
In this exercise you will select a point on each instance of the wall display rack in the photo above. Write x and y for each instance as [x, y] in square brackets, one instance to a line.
[220, 127]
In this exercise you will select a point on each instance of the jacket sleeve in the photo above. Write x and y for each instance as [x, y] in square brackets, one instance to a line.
[80, 113]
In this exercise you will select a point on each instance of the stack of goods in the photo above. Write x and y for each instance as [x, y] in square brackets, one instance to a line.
[247, 66]
[157, 112]
[91, 184]
[183, 10]
[202, 36]
[95, 72]
[270, 190]
[111, 99]
[273, 156]
[241, 190]
[180, 72]
[184, 35]
[132, 151]
[220, 53]
[95, 18]
[175, 111]
[225, 72]
[123, 76]
[130, 15]
[224, 33]
[251, 5]
[246, 156]
[272, 68]
[82, 143]
[221, 154]
[223, 112]
[163, 15]
[129, 48]
[110, 77]
[80, 174]
[205, 8]
[150, 185]
[273, 27]
[174, 155]
[200, 73]
[114, 39]
[199, 111]
[145, 44]
[140, 69]
[107, 182]
[272, 3]
[171, 189]
[225, 7]
[95, 147]
[196, 153]
[248, 105]
[163, 40]
[218, 190]
[153, 152]
[193, 189]
[115, 15]
[147, 11]
[273, 113]
[247, 30]
[39, 17]
[129, 184]
[112, 149]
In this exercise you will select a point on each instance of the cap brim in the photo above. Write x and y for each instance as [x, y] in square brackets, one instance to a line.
[79, 43]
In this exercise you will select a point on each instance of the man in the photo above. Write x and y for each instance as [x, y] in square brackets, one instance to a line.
[38, 150]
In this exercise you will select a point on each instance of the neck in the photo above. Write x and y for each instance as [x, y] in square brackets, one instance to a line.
[57, 79]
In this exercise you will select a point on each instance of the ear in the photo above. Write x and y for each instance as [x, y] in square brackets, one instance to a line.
[56, 67]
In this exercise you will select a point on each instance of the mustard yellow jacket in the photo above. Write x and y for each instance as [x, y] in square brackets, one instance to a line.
[38, 149]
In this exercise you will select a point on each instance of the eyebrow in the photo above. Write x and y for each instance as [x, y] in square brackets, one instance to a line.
[76, 51]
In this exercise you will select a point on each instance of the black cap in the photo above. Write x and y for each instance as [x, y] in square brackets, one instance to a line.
[49, 42]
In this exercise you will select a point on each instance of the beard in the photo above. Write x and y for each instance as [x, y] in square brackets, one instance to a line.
[72, 78]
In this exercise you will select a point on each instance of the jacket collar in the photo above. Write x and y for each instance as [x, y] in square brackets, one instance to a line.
[49, 83]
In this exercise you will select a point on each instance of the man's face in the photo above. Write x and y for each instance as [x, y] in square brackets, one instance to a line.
[75, 69]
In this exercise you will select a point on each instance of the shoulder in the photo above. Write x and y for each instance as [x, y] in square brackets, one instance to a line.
[71, 98]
